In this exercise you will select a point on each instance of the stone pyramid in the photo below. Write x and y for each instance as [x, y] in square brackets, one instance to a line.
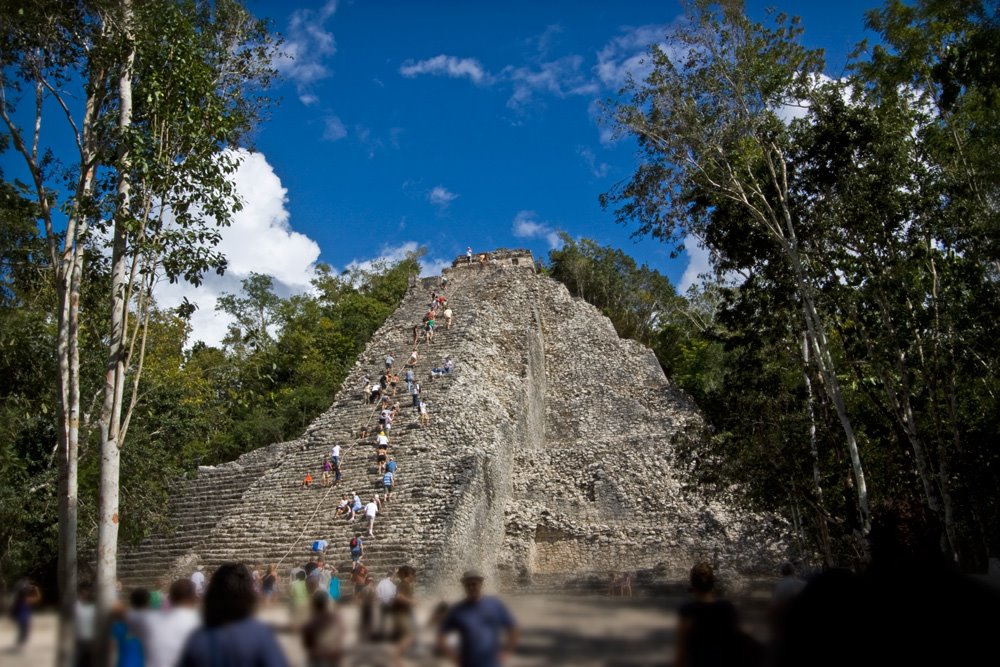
[548, 460]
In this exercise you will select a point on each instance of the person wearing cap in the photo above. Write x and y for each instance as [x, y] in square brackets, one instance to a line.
[479, 621]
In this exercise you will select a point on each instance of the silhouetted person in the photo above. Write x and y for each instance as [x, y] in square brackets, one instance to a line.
[480, 621]
[128, 628]
[166, 631]
[26, 597]
[910, 607]
[231, 637]
[323, 634]
[85, 615]
[710, 634]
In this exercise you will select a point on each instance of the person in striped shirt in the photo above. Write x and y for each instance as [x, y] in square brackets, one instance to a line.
[388, 482]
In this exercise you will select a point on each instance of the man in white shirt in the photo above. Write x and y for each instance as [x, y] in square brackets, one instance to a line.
[198, 579]
[386, 593]
[371, 509]
[335, 455]
[164, 634]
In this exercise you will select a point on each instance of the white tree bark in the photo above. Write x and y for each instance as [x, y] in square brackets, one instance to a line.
[114, 378]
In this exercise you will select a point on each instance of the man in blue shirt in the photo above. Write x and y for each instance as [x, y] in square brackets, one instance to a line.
[479, 621]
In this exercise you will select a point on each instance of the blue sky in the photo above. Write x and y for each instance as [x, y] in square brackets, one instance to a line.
[447, 124]
[439, 123]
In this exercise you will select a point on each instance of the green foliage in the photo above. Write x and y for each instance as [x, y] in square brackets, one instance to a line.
[198, 404]
[886, 197]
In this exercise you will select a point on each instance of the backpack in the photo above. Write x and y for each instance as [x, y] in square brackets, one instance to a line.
[354, 543]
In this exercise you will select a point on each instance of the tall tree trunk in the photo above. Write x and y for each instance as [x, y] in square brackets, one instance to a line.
[69, 433]
[114, 377]
[814, 451]
[827, 369]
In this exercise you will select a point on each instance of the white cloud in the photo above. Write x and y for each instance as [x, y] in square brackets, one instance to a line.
[260, 240]
[441, 196]
[307, 46]
[795, 109]
[388, 255]
[333, 128]
[699, 263]
[597, 168]
[526, 226]
[561, 78]
[628, 54]
[450, 66]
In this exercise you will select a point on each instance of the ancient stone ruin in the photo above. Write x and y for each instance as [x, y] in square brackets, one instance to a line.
[548, 460]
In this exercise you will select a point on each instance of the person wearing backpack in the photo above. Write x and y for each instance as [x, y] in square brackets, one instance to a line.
[357, 551]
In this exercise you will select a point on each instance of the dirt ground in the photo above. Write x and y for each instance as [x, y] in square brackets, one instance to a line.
[579, 631]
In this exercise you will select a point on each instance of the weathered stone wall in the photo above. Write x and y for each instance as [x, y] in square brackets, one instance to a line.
[549, 456]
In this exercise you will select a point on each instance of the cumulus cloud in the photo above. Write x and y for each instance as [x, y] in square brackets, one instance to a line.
[597, 168]
[441, 196]
[333, 128]
[260, 240]
[527, 226]
[307, 46]
[628, 54]
[699, 263]
[450, 66]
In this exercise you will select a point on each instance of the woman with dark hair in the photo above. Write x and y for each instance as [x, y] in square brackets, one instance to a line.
[709, 633]
[231, 636]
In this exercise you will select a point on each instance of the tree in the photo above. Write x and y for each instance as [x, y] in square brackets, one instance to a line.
[711, 140]
[168, 85]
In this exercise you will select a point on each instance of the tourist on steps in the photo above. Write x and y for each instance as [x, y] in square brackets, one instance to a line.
[381, 455]
[371, 509]
[425, 416]
[355, 507]
[357, 551]
[448, 314]
[388, 483]
[327, 470]
[415, 392]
